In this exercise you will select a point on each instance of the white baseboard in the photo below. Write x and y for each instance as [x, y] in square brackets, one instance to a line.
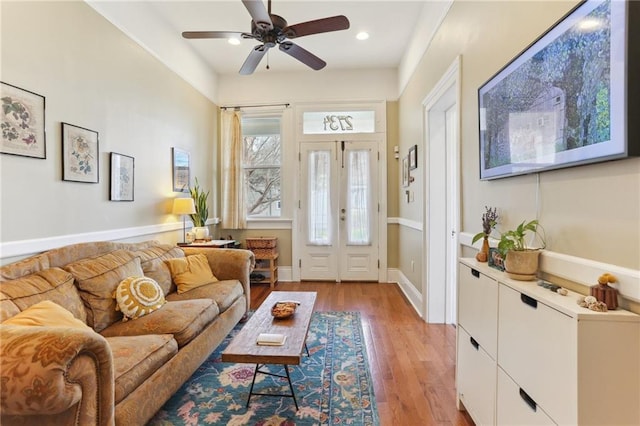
[411, 293]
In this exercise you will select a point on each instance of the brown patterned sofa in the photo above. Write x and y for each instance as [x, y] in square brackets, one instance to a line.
[114, 372]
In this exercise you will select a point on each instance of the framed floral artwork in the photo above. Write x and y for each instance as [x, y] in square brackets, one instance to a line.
[22, 122]
[181, 169]
[79, 154]
[122, 176]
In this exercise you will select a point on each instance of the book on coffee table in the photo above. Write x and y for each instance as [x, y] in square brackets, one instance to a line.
[269, 339]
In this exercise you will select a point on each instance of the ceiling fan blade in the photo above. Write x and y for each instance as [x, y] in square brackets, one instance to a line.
[303, 55]
[214, 34]
[324, 25]
[258, 13]
[254, 58]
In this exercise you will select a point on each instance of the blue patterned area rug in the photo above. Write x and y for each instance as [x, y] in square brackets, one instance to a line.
[333, 385]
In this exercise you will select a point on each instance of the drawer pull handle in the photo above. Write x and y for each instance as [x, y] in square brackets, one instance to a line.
[530, 402]
[474, 343]
[475, 273]
[529, 301]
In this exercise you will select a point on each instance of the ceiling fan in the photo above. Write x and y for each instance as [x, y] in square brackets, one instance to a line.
[270, 29]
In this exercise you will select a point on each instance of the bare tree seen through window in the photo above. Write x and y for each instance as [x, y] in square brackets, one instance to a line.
[262, 163]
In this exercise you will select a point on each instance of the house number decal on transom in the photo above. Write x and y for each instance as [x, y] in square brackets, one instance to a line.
[336, 122]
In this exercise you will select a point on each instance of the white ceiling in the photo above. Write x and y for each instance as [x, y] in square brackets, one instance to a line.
[400, 30]
[390, 24]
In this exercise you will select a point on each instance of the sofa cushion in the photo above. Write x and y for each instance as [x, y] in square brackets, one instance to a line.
[138, 296]
[136, 358]
[191, 272]
[46, 314]
[223, 292]
[152, 262]
[182, 319]
[50, 284]
[97, 279]
[24, 267]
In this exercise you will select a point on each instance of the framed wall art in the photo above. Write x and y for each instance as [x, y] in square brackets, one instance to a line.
[80, 154]
[122, 177]
[405, 171]
[567, 99]
[22, 122]
[413, 157]
[181, 166]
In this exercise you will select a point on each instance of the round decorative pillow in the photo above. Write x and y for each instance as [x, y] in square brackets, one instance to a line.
[138, 296]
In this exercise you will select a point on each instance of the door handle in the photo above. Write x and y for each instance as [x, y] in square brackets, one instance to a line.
[343, 214]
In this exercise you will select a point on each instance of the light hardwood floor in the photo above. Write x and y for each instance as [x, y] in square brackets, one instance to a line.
[412, 363]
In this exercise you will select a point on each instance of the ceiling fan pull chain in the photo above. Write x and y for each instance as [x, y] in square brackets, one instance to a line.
[268, 51]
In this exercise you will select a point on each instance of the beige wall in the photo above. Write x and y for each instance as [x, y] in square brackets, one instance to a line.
[590, 211]
[94, 76]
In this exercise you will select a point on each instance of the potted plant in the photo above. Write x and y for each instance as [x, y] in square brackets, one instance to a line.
[489, 222]
[520, 260]
[201, 215]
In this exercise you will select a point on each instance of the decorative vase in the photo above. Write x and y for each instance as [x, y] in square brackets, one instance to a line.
[202, 232]
[607, 295]
[522, 265]
[483, 254]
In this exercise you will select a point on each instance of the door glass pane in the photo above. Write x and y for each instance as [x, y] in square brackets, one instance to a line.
[319, 200]
[359, 198]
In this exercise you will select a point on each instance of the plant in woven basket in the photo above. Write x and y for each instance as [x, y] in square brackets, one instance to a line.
[200, 200]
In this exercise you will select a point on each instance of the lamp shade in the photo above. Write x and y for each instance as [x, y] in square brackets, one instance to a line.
[183, 206]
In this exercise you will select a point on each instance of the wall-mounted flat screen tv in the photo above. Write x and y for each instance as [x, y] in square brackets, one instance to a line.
[568, 99]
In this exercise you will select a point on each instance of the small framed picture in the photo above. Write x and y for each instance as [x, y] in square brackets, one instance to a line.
[122, 176]
[80, 154]
[181, 169]
[495, 259]
[413, 157]
[22, 122]
[405, 172]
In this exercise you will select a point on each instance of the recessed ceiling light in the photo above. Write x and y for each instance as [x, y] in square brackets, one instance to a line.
[234, 41]
[362, 35]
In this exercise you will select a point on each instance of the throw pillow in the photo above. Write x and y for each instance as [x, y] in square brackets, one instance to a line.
[190, 272]
[46, 314]
[97, 278]
[138, 296]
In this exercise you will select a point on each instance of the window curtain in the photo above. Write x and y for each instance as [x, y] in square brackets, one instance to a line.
[233, 210]
[359, 199]
[319, 193]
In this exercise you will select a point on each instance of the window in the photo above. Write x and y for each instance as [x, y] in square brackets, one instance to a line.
[262, 163]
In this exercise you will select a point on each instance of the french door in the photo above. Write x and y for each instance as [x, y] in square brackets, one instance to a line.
[339, 211]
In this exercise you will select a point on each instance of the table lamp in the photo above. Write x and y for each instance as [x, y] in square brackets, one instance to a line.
[183, 206]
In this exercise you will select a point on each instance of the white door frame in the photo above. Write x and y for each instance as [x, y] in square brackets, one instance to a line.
[438, 288]
[380, 136]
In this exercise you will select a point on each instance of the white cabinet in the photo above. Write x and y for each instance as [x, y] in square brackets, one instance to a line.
[555, 362]
[477, 343]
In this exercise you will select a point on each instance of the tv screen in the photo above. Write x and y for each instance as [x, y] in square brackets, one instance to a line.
[563, 101]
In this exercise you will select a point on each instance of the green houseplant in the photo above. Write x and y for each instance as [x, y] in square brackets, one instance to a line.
[520, 260]
[199, 218]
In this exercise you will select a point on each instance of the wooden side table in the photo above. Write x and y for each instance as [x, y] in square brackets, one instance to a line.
[267, 263]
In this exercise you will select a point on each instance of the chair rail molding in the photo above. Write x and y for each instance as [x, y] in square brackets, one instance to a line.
[579, 270]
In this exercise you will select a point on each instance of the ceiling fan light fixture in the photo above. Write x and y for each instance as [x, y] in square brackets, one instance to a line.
[234, 41]
[362, 35]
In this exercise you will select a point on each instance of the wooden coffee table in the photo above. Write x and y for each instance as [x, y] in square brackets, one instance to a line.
[243, 348]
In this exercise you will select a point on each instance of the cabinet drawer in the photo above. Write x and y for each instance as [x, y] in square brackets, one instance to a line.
[537, 348]
[478, 307]
[476, 380]
[516, 407]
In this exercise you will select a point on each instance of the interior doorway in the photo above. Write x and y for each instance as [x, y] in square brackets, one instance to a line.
[442, 199]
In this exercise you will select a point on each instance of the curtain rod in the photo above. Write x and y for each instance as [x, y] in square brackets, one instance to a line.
[254, 106]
